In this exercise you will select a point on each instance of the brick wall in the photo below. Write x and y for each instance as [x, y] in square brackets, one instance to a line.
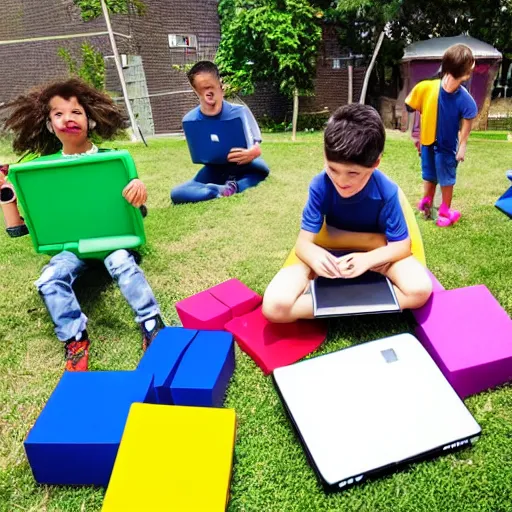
[151, 32]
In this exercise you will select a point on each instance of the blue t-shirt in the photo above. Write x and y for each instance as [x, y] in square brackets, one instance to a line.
[452, 107]
[230, 111]
[375, 209]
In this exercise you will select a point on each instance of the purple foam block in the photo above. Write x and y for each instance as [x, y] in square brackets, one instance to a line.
[469, 336]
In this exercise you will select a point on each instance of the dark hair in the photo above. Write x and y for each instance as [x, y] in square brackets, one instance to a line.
[203, 66]
[457, 61]
[29, 113]
[354, 134]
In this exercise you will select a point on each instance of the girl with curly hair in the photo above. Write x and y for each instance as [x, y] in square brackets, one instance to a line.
[61, 118]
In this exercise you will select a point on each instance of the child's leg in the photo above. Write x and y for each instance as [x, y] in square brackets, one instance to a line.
[207, 184]
[428, 173]
[251, 174]
[55, 288]
[446, 166]
[413, 286]
[284, 300]
[124, 270]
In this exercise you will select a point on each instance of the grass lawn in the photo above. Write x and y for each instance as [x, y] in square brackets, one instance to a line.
[248, 236]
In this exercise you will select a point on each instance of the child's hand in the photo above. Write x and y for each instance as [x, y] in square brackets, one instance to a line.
[461, 153]
[354, 264]
[135, 193]
[241, 156]
[325, 265]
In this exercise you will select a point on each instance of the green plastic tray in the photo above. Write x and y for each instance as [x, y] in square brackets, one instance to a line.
[76, 203]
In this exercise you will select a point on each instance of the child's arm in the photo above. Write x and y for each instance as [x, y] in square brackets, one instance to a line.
[321, 261]
[135, 193]
[357, 263]
[463, 139]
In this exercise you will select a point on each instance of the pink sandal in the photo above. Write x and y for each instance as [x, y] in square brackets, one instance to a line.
[425, 207]
[447, 217]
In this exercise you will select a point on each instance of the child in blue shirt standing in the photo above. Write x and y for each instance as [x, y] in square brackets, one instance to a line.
[443, 104]
[245, 168]
[350, 195]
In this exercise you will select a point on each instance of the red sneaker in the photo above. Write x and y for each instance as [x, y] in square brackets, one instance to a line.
[77, 355]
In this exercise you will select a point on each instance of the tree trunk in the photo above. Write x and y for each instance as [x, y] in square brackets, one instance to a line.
[370, 68]
[295, 114]
[350, 80]
[133, 122]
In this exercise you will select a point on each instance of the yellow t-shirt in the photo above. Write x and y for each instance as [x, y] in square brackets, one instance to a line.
[424, 98]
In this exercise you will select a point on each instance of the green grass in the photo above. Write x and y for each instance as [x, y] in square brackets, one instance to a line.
[489, 135]
[248, 236]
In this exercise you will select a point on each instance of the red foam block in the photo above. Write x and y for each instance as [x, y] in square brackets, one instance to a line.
[204, 312]
[274, 345]
[236, 296]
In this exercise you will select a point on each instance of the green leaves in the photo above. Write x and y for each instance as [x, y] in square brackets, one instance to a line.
[92, 8]
[92, 69]
[273, 40]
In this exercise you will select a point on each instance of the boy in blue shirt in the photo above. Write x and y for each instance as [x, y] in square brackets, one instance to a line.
[356, 201]
[443, 104]
[245, 168]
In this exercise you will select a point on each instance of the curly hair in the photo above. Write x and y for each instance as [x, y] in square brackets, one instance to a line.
[28, 115]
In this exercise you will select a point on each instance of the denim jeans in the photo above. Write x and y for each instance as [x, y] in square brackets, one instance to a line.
[209, 181]
[56, 288]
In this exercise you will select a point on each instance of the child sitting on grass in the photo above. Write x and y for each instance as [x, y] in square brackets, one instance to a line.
[61, 117]
[350, 195]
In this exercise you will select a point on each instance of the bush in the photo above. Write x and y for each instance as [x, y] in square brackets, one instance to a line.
[305, 122]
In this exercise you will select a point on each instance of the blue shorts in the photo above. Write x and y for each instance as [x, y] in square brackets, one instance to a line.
[438, 167]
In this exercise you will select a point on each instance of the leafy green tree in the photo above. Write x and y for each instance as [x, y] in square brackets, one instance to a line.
[91, 9]
[273, 40]
[92, 69]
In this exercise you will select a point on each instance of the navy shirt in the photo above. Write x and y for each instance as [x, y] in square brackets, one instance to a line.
[375, 209]
[452, 107]
[230, 111]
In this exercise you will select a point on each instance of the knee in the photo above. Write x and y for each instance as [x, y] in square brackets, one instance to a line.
[118, 262]
[59, 269]
[420, 291]
[276, 310]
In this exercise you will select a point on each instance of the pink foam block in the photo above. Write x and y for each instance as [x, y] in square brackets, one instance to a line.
[275, 345]
[236, 296]
[469, 335]
[204, 312]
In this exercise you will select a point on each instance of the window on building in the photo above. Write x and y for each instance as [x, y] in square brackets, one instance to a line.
[182, 41]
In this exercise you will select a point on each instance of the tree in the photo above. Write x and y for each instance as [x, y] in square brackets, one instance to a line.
[91, 9]
[274, 40]
[92, 69]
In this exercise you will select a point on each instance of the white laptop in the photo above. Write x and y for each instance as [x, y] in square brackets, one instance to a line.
[365, 410]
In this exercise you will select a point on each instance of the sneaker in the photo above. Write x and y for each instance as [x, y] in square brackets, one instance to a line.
[77, 353]
[425, 207]
[150, 328]
[447, 218]
[230, 188]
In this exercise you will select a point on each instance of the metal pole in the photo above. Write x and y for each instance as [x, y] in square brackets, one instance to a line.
[350, 79]
[133, 122]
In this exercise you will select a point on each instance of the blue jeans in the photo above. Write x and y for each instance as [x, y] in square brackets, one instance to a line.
[57, 278]
[210, 180]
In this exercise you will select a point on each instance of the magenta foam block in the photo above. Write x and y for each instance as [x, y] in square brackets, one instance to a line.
[203, 312]
[469, 336]
[274, 345]
[236, 296]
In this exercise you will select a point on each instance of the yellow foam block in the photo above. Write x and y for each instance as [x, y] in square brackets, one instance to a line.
[368, 241]
[173, 458]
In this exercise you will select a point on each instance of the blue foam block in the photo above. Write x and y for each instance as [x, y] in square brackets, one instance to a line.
[205, 370]
[76, 437]
[504, 203]
[162, 359]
